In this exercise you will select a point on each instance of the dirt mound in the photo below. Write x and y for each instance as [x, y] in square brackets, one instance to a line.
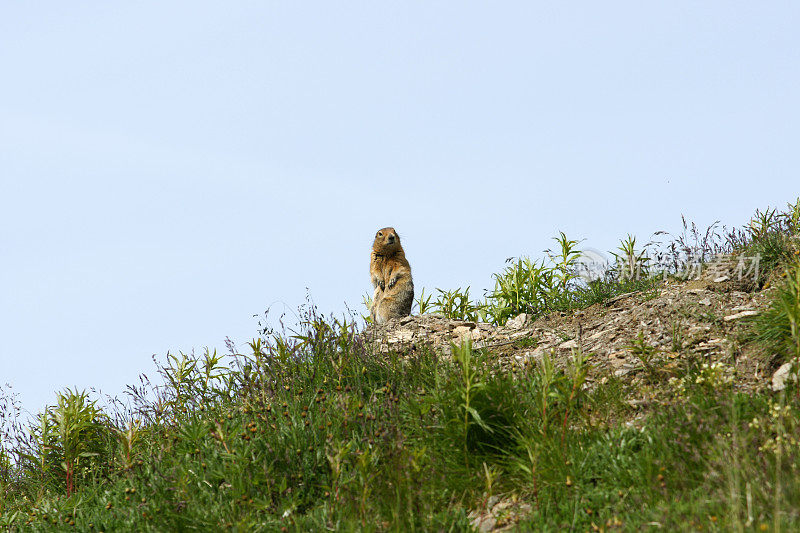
[705, 317]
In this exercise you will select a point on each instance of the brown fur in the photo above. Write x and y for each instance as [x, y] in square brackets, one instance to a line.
[391, 276]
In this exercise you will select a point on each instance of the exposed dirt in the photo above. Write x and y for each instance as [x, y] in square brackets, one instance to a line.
[705, 319]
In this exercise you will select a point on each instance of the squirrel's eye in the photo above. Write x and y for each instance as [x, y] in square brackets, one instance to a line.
[380, 234]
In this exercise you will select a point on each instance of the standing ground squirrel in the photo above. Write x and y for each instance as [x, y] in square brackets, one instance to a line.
[391, 277]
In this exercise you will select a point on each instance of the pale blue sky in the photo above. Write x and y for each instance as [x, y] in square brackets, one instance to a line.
[168, 170]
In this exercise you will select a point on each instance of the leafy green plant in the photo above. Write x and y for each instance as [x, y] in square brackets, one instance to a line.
[577, 369]
[610, 286]
[367, 301]
[677, 335]
[544, 396]
[778, 328]
[565, 262]
[424, 305]
[630, 262]
[645, 353]
[772, 238]
[74, 436]
[519, 288]
[456, 305]
[129, 439]
[534, 287]
[540, 287]
[469, 386]
[791, 218]
[763, 223]
[526, 342]
[771, 252]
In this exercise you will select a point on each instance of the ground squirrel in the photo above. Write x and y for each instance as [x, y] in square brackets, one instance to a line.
[391, 277]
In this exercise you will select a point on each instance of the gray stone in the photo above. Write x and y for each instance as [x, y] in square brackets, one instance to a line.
[401, 335]
[461, 332]
[484, 523]
[517, 322]
[781, 376]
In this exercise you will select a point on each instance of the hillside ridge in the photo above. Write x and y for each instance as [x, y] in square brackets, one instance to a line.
[707, 315]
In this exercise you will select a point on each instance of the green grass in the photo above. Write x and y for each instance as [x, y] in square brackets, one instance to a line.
[316, 432]
[778, 328]
[349, 440]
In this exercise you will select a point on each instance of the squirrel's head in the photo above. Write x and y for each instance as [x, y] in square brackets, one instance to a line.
[387, 242]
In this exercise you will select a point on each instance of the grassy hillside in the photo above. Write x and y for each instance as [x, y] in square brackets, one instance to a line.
[321, 430]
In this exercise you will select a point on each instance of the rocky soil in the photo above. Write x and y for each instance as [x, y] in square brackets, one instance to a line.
[706, 317]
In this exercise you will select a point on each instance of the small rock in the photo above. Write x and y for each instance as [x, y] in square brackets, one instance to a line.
[461, 331]
[401, 335]
[705, 301]
[517, 322]
[499, 515]
[536, 355]
[598, 334]
[570, 344]
[484, 523]
[616, 363]
[721, 279]
[781, 376]
[739, 315]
